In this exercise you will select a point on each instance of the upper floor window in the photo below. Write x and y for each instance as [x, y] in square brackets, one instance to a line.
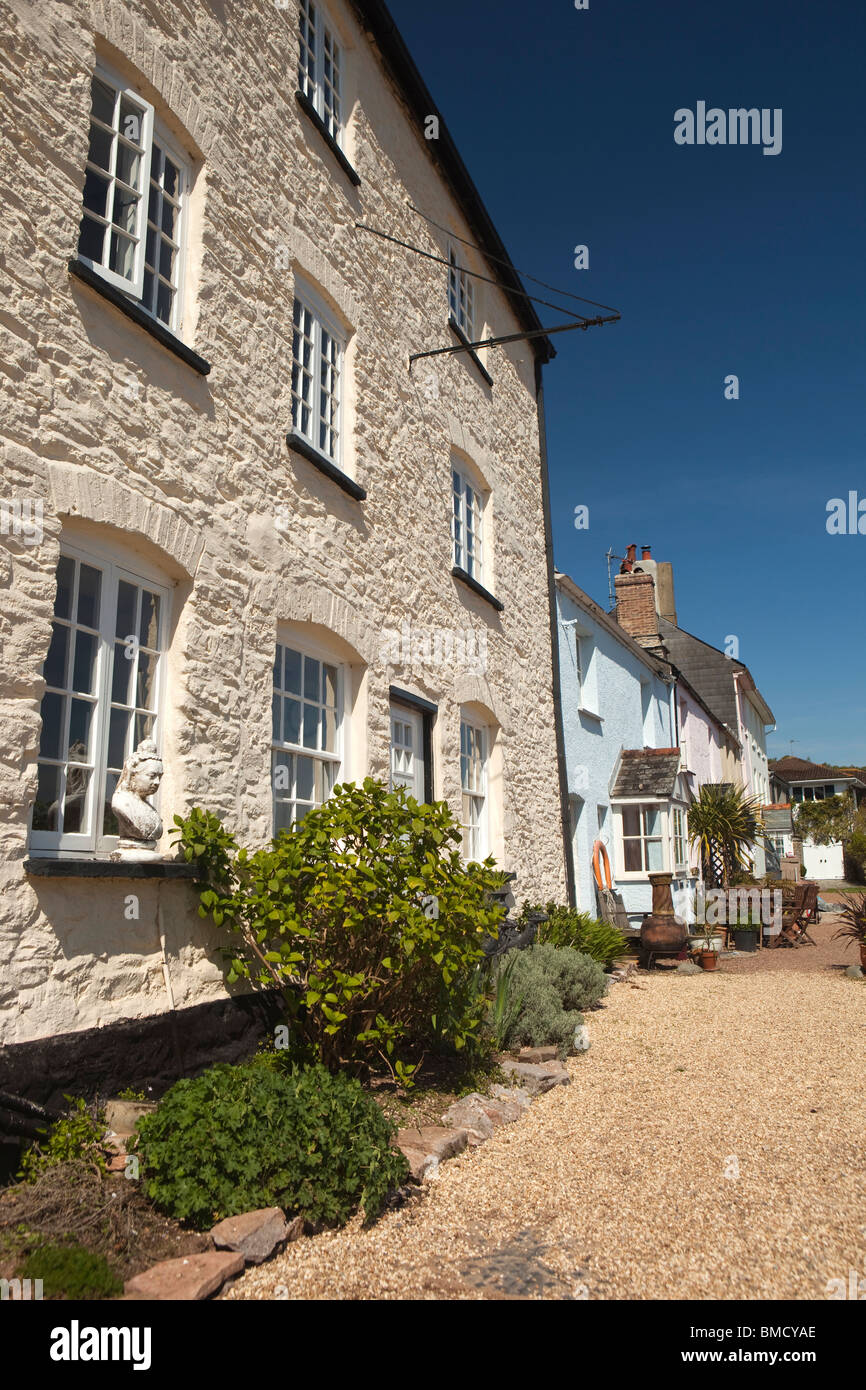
[319, 67]
[317, 371]
[468, 525]
[135, 190]
[473, 780]
[307, 733]
[102, 676]
[461, 296]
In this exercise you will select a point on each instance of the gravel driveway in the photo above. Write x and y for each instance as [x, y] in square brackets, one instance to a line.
[711, 1145]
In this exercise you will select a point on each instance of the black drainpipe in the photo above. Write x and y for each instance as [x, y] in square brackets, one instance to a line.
[564, 814]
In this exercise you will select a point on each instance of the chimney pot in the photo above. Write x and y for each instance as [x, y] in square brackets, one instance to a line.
[647, 553]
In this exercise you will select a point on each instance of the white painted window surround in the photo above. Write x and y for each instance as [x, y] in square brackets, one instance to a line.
[318, 354]
[320, 64]
[308, 729]
[136, 189]
[468, 521]
[649, 839]
[104, 676]
[474, 763]
[407, 751]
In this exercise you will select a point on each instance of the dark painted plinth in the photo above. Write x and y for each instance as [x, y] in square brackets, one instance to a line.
[148, 1054]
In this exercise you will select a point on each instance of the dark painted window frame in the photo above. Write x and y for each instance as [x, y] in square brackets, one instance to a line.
[479, 589]
[428, 712]
[310, 111]
[134, 311]
[320, 461]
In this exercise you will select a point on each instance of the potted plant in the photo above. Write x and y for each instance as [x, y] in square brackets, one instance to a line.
[746, 935]
[708, 950]
[853, 915]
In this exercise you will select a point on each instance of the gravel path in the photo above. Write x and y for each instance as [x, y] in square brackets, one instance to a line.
[615, 1187]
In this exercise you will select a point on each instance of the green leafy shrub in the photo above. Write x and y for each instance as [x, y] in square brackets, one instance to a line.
[70, 1271]
[363, 915]
[554, 984]
[239, 1138]
[76, 1135]
[565, 926]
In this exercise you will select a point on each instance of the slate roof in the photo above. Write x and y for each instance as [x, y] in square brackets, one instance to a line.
[647, 772]
[792, 769]
[707, 669]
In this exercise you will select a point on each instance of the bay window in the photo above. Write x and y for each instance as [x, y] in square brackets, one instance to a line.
[643, 847]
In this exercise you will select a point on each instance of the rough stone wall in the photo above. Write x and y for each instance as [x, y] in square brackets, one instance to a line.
[103, 424]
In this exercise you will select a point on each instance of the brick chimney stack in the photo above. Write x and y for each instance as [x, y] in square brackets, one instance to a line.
[636, 604]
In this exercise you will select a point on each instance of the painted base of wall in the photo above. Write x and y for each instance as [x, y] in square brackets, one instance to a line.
[143, 1053]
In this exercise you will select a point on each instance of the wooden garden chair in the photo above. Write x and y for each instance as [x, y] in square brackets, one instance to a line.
[797, 916]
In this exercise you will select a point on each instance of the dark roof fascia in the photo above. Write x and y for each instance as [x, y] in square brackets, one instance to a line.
[566, 584]
[378, 24]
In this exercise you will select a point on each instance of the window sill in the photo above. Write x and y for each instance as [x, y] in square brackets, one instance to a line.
[309, 110]
[477, 588]
[135, 312]
[458, 332]
[324, 465]
[590, 714]
[109, 868]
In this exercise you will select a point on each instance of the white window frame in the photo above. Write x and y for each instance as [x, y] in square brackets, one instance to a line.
[323, 322]
[309, 651]
[403, 717]
[464, 510]
[153, 132]
[642, 804]
[476, 827]
[679, 838]
[462, 305]
[313, 59]
[110, 562]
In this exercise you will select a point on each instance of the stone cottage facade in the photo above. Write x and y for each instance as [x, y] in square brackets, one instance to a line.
[234, 519]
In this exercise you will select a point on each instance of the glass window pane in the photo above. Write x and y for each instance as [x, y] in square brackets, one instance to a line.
[109, 819]
[632, 855]
[278, 669]
[125, 213]
[653, 820]
[329, 731]
[52, 725]
[54, 669]
[91, 241]
[276, 729]
[164, 301]
[118, 732]
[75, 800]
[168, 222]
[99, 151]
[311, 726]
[121, 258]
[102, 101]
[80, 721]
[146, 687]
[89, 588]
[292, 727]
[124, 665]
[95, 193]
[312, 679]
[46, 808]
[131, 121]
[148, 630]
[306, 771]
[128, 165]
[127, 595]
[84, 666]
[283, 775]
[654, 856]
[631, 820]
[144, 726]
[330, 694]
[283, 816]
[326, 775]
[171, 179]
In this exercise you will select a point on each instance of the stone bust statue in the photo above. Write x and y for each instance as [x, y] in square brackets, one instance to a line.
[139, 823]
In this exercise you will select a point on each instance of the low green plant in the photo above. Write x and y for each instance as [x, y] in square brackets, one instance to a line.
[79, 1134]
[554, 985]
[506, 1002]
[565, 926]
[363, 915]
[130, 1093]
[70, 1271]
[239, 1138]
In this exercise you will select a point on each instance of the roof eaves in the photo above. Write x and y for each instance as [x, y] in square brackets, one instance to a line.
[380, 27]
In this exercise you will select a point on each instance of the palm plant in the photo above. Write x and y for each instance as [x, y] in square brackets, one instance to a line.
[725, 822]
[853, 914]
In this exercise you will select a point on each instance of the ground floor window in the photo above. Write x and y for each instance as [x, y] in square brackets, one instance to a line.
[643, 839]
[307, 719]
[102, 698]
[679, 837]
[473, 779]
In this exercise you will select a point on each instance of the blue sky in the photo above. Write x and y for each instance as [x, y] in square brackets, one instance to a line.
[721, 260]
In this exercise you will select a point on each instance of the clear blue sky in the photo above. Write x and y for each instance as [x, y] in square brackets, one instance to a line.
[721, 260]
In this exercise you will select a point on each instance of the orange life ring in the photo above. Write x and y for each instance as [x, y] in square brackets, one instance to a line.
[599, 852]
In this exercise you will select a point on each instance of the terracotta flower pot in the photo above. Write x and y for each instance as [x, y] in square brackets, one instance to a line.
[708, 960]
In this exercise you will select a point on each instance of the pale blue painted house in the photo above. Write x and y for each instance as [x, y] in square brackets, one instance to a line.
[627, 782]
